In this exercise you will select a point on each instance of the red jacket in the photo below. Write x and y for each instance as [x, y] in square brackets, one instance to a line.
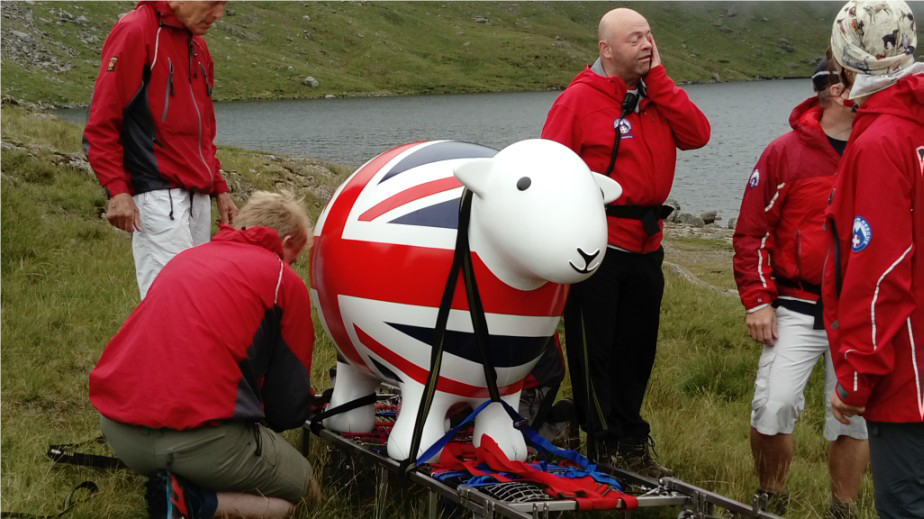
[780, 228]
[874, 276]
[152, 123]
[224, 334]
[582, 118]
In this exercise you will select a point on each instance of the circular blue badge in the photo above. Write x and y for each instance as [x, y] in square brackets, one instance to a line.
[754, 179]
[862, 234]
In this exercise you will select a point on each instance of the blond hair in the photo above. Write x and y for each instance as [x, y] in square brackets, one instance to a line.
[280, 211]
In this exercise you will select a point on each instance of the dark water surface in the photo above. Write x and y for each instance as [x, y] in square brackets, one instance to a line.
[745, 117]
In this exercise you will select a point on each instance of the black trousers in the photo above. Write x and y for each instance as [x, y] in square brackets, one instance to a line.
[617, 311]
[896, 452]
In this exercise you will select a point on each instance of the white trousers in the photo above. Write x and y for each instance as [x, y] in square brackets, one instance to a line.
[172, 220]
[783, 372]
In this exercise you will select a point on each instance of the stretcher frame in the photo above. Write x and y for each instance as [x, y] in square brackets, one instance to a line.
[694, 502]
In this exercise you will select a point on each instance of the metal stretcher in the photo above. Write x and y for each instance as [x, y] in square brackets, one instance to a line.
[515, 499]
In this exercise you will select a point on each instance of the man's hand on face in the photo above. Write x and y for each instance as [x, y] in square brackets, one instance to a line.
[123, 214]
[655, 55]
[762, 325]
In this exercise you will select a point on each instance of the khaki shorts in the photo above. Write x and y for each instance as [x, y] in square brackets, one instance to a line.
[784, 370]
[233, 457]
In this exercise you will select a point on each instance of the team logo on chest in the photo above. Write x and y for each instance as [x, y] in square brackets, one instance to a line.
[624, 127]
[754, 179]
[862, 234]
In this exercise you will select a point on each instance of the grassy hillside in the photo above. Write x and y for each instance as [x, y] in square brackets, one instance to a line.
[263, 50]
[68, 285]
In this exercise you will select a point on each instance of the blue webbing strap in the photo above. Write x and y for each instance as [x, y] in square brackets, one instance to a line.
[587, 468]
[438, 446]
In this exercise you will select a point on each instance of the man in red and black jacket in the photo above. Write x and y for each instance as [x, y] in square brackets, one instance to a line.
[222, 344]
[780, 246]
[619, 306]
[150, 132]
[873, 286]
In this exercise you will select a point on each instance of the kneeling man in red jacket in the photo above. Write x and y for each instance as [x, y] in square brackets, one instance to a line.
[214, 362]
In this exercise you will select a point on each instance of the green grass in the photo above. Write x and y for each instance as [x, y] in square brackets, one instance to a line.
[262, 50]
[68, 284]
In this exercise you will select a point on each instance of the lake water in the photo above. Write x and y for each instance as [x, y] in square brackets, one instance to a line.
[745, 117]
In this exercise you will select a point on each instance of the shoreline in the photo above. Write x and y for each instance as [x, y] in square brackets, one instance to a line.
[47, 105]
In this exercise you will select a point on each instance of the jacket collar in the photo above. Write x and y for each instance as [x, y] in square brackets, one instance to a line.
[903, 99]
[259, 236]
[612, 86]
[165, 15]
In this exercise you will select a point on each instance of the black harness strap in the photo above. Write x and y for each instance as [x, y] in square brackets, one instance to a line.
[648, 214]
[442, 318]
[317, 421]
[462, 260]
[628, 106]
[67, 453]
[69, 503]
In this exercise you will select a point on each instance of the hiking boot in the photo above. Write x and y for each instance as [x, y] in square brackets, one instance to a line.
[170, 497]
[635, 455]
[774, 502]
[842, 509]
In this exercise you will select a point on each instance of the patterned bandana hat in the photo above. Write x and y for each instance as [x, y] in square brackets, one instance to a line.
[876, 39]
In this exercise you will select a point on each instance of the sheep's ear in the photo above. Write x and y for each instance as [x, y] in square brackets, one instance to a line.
[610, 188]
[474, 174]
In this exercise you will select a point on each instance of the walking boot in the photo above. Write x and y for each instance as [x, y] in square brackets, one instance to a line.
[774, 502]
[635, 455]
[842, 509]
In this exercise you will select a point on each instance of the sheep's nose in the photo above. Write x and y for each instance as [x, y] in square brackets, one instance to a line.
[588, 257]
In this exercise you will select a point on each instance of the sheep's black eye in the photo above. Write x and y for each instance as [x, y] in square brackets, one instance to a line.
[523, 183]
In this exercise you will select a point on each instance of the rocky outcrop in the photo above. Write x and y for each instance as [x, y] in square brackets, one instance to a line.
[31, 47]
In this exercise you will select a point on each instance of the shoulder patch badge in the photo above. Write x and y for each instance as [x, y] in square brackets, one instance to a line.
[112, 64]
[862, 234]
[921, 158]
[754, 179]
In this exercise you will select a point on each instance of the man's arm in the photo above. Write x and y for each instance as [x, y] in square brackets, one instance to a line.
[119, 80]
[753, 240]
[688, 123]
[227, 209]
[287, 392]
[873, 304]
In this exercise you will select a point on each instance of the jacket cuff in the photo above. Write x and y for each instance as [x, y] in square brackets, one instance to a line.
[221, 186]
[855, 393]
[753, 300]
[117, 187]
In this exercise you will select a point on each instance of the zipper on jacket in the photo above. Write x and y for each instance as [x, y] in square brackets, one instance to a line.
[170, 91]
[192, 92]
